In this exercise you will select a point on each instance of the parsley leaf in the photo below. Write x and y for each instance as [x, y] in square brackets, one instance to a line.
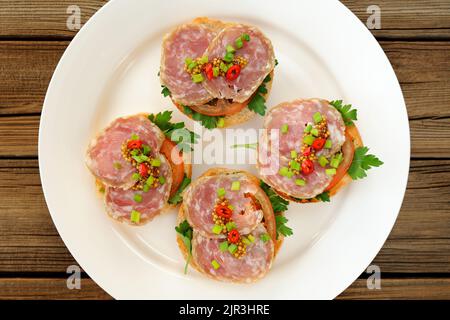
[324, 196]
[165, 91]
[278, 203]
[348, 114]
[185, 231]
[258, 102]
[177, 197]
[176, 132]
[282, 228]
[209, 122]
[362, 162]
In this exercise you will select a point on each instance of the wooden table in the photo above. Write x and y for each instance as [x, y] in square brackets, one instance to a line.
[415, 260]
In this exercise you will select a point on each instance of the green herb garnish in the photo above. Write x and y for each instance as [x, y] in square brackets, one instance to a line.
[209, 122]
[348, 114]
[185, 231]
[176, 132]
[324, 197]
[282, 228]
[278, 203]
[258, 102]
[362, 162]
[177, 197]
[165, 91]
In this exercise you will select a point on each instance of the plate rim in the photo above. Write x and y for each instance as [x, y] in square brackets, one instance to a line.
[44, 116]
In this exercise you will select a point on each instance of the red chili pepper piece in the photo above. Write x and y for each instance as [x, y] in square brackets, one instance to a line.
[318, 143]
[134, 144]
[233, 72]
[307, 166]
[307, 151]
[224, 211]
[233, 236]
[143, 170]
[209, 71]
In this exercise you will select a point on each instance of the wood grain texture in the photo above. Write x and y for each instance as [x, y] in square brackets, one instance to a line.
[416, 19]
[413, 288]
[423, 70]
[419, 242]
[25, 72]
[49, 289]
[42, 18]
[54, 288]
[407, 19]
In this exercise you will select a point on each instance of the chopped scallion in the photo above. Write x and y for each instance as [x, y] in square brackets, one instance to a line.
[317, 117]
[230, 48]
[192, 65]
[235, 185]
[220, 122]
[135, 216]
[323, 161]
[221, 192]
[284, 171]
[150, 181]
[155, 162]
[330, 172]
[309, 139]
[308, 128]
[223, 246]
[217, 229]
[197, 78]
[229, 57]
[239, 44]
[216, 71]
[294, 154]
[284, 128]
[264, 237]
[162, 180]
[231, 226]
[137, 197]
[136, 176]
[315, 132]
[295, 165]
[232, 248]
[300, 182]
[215, 264]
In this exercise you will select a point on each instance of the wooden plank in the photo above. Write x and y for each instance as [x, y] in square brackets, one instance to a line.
[420, 241]
[423, 70]
[417, 19]
[47, 18]
[19, 136]
[407, 289]
[42, 18]
[55, 288]
[25, 72]
[49, 289]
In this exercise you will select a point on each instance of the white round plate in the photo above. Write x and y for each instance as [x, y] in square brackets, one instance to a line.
[110, 69]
